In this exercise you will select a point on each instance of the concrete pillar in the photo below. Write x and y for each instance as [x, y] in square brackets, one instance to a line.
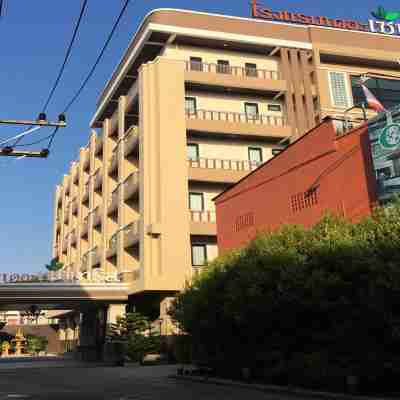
[114, 311]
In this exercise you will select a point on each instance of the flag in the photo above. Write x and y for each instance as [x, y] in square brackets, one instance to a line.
[372, 101]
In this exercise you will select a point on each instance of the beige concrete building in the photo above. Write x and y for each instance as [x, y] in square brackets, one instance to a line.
[198, 101]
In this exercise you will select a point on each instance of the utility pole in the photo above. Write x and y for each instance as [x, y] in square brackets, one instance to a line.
[8, 151]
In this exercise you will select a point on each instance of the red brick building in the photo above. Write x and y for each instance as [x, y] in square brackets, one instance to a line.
[319, 172]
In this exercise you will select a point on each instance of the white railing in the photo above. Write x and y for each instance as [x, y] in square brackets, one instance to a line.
[232, 70]
[203, 216]
[236, 117]
[216, 163]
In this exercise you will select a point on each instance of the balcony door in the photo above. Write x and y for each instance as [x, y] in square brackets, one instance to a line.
[251, 110]
[190, 105]
[196, 64]
[223, 67]
[255, 155]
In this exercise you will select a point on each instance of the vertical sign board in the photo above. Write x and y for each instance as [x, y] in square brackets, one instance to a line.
[384, 135]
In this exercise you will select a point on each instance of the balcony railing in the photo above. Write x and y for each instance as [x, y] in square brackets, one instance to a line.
[202, 216]
[74, 205]
[96, 255]
[85, 195]
[98, 178]
[232, 70]
[113, 200]
[73, 236]
[97, 213]
[215, 163]
[131, 184]
[85, 226]
[131, 233]
[130, 139]
[85, 261]
[113, 161]
[236, 117]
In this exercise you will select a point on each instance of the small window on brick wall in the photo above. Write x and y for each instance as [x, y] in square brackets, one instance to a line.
[244, 221]
[301, 201]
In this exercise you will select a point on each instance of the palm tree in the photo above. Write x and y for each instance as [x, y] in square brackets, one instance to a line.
[54, 265]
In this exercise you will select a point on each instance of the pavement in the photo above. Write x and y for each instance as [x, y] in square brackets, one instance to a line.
[60, 379]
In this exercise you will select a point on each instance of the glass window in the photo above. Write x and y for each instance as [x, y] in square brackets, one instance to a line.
[255, 155]
[190, 105]
[193, 151]
[338, 89]
[251, 69]
[274, 107]
[223, 67]
[196, 63]
[251, 109]
[196, 201]
[199, 254]
[387, 91]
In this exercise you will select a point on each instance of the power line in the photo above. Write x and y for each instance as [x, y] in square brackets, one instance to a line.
[92, 70]
[98, 58]
[83, 8]
[66, 58]
[36, 142]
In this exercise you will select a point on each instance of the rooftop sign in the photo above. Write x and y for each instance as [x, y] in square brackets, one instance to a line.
[384, 22]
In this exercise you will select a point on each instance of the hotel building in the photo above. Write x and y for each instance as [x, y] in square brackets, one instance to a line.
[197, 102]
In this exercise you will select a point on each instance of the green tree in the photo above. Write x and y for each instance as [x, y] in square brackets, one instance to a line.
[135, 332]
[54, 265]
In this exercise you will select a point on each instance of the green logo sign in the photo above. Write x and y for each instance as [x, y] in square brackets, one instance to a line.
[386, 15]
[390, 137]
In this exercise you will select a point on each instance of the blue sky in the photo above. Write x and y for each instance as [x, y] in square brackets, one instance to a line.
[34, 38]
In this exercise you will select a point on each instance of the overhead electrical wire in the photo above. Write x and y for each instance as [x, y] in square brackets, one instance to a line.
[66, 58]
[92, 70]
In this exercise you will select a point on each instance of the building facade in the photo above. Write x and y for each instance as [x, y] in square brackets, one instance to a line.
[197, 102]
[321, 172]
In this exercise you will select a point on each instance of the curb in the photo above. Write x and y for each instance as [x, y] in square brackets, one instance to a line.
[277, 389]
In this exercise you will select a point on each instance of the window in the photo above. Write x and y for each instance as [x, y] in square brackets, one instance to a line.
[223, 67]
[190, 105]
[251, 110]
[339, 89]
[193, 151]
[196, 201]
[199, 255]
[251, 69]
[384, 173]
[276, 151]
[274, 107]
[196, 63]
[387, 91]
[255, 155]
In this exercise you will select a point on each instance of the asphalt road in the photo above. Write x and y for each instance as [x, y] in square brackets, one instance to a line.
[67, 380]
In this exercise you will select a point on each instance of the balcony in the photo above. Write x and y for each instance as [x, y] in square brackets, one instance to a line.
[96, 255]
[97, 215]
[131, 185]
[131, 140]
[99, 145]
[74, 205]
[66, 212]
[73, 236]
[202, 223]
[64, 245]
[85, 226]
[113, 201]
[86, 160]
[97, 178]
[85, 195]
[239, 78]
[229, 122]
[218, 170]
[112, 245]
[131, 234]
[85, 261]
[113, 163]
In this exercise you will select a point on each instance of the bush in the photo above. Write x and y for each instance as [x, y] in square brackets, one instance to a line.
[36, 344]
[323, 301]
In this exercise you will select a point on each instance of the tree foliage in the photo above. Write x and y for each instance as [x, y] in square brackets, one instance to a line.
[36, 344]
[136, 332]
[54, 265]
[306, 303]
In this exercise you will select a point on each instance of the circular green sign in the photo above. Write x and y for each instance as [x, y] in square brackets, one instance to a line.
[390, 136]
